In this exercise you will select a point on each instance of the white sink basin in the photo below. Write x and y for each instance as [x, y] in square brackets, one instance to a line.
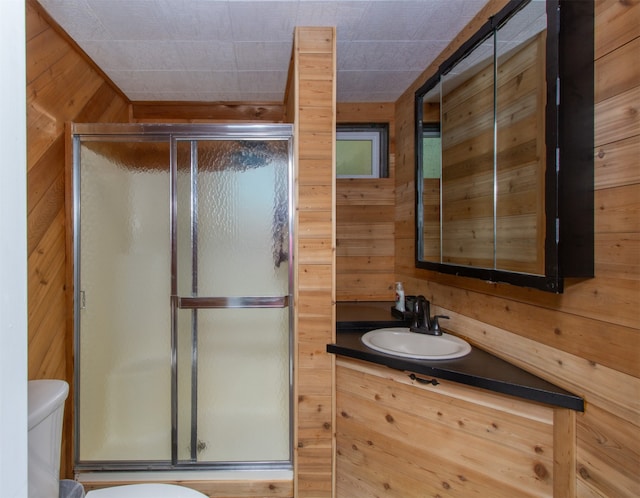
[400, 341]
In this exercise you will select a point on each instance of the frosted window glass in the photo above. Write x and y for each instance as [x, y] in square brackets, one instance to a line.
[354, 157]
[125, 402]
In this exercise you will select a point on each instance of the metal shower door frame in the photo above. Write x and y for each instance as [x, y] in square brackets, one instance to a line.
[173, 133]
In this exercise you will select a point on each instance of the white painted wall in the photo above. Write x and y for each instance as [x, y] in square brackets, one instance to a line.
[13, 253]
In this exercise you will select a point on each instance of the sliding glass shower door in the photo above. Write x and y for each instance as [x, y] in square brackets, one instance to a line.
[183, 281]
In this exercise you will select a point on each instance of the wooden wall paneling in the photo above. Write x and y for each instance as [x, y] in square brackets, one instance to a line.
[366, 112]
[317, 228]
[174, 112]
[104, 106]
[363, 191]
[45, 210]
[47, 48]
[313, 92]
[612, 161]
[616, 25]
[606, 462]
[42, 176]
[47, 262]
[36, 23]
[55, 98]
[364, 239]
[561, 330]
[364, 219]
[618, 256]
[315, 251]
[586, 340]
[618, 117]
[618, 207]
[315, 197]
[62, 85]
[612, 75]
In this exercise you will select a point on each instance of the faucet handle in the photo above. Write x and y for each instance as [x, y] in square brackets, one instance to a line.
[415, 321]
[435, 325]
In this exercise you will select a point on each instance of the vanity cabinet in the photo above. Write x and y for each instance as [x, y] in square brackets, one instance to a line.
[398, 436]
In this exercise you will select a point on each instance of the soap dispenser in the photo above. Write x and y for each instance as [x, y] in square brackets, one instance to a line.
[400, 297]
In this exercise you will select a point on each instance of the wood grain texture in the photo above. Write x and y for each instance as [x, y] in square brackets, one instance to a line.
[365, 219]
[312, 94]
[564, 452]
[397, 438]
[587, 339]
[272, 112]
[61, 86]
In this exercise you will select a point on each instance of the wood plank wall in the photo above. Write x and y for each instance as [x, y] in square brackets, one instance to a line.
[312, 101]
[313, 90]
[205, 112]
[365, 218]
[61, 86]
[586, 340]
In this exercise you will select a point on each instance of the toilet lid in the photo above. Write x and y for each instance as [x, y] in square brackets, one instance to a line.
[146, 491]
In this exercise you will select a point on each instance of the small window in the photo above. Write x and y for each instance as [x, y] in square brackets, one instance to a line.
[361, 151]
[431, 153]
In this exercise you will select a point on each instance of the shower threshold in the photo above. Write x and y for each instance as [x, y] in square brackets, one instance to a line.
[185, 475]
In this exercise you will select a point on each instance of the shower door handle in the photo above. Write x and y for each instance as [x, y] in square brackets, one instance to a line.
[232, 302]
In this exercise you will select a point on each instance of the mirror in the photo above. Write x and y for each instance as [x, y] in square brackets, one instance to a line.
[489, 143]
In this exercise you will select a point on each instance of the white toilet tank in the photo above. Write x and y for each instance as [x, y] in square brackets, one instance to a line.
[46, 408]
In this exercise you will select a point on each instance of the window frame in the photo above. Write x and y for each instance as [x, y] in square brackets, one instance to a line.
[432, 130]
[378, 134]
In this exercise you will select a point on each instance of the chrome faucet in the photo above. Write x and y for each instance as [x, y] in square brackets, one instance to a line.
[423, 322]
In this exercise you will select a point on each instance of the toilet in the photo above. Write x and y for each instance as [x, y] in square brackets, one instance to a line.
[46, 408]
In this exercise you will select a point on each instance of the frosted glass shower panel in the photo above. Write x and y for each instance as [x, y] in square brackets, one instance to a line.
[236, 201]
[242, 412]
[124, 260]
[182, 286]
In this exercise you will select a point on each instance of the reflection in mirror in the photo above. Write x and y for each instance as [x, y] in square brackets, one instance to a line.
[468, 159]
[431, 173]
[482, 191]
[504, 150]
[520, 141]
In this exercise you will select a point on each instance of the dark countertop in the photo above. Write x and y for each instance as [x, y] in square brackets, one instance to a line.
[366, 315]
[479, 368]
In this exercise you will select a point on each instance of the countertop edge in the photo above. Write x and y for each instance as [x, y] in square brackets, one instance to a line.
[548, 394]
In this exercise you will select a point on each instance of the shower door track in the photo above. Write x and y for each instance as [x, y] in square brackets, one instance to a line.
[173, 133]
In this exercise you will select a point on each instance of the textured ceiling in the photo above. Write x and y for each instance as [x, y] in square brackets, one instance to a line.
[239, 50]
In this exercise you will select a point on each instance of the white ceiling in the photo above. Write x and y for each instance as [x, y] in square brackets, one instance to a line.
[239, 50]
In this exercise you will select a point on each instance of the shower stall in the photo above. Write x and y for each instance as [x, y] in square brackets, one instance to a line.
[183, 281]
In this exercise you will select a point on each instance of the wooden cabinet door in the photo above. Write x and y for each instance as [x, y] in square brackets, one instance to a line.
[398, 437]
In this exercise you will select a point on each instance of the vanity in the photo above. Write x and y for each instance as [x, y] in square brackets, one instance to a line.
[477, 369]
[504, 194]
[474, 425]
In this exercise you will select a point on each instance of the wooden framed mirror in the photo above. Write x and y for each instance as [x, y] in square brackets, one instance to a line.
[504, 150]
